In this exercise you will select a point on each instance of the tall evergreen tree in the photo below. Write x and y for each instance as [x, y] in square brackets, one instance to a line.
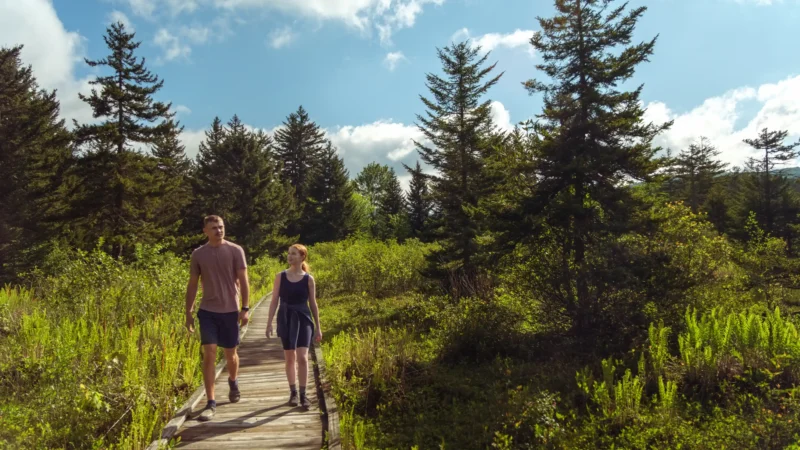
[174, 188]
[772, 186]
[34, 154]
[125, 103]
[211, 192]
[331, 200]
[239, 178]
[418, 202]
[300, 145]
[591, 138]
[458, 124]
[694, 172]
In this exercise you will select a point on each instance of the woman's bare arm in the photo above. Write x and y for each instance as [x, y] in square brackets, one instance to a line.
[273, 305]
[312, 299]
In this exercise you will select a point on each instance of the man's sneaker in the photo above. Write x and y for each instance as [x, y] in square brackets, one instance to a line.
[293, 399]
[234, 395]
[305, 402]
[207, 413]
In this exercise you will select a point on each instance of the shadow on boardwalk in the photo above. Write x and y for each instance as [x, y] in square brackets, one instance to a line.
[262, 418]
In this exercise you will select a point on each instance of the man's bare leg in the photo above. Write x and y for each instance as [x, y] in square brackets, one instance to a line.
[209, 359]
[209, 366]
[232, 364]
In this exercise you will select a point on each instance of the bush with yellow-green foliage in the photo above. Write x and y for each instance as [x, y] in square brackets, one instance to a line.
[95, 354]
[376, 268]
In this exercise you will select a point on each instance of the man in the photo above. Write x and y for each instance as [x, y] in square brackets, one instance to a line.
[219, 265]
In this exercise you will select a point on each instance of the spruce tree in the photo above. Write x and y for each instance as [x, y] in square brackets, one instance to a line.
[34, 155]
[694, 172]
[299, 144]
[591, 139]
[239, 178]
[174, 188]
[129, 116]
[418, 202]
[458, 124]
[206, 186]
[773, 186]
[331, 201]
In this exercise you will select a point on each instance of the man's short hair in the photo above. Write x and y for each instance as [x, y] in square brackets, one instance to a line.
[211, 218]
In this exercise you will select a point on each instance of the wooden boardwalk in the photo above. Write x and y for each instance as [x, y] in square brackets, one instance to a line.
[262, 418]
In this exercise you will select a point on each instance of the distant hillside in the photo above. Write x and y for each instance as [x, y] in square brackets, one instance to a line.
[789, 172]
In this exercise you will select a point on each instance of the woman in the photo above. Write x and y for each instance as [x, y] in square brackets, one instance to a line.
[296, 289]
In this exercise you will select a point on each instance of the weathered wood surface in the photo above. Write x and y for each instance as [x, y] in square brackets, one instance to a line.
[262, 418]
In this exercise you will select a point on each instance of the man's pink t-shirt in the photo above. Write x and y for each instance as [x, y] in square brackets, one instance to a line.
[217, 267]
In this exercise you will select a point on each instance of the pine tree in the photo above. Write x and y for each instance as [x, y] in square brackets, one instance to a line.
[458, 125]
[125, 103]
[694, 173]
[418, 202]
[591, 137]
[34, 155]
[775, 153]
[300, 145]
[239, 178]
[174, 188]
[331, 200]
[205, 185]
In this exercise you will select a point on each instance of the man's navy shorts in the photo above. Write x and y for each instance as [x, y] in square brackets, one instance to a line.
[221, 329]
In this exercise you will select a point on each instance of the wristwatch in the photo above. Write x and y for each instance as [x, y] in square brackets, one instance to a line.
[245, 308]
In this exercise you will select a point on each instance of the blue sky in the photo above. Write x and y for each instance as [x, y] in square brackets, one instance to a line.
[722, 68]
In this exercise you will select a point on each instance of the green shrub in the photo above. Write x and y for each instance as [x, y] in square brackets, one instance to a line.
[95, 355]
[370, 367]
[376, 268]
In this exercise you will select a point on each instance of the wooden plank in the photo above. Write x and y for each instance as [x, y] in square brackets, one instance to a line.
[262, 418]
[266, 442]
[179, 417]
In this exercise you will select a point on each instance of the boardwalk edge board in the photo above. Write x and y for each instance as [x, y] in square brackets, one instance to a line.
[330, 412]
[177, 420]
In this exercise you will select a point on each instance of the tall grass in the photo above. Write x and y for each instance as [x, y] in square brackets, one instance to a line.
[96, 355]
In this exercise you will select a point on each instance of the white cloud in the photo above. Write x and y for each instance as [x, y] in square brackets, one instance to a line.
[51, 50]
[501, 117]
[177, 45]
[182, 110]
[118, 16]
[281, 37]
[172, 45]
[143, 8]
[392, 59]
[491, 41]
[380, 141]
[191, 139]
[778, 109]
[196, 34]
[179, 6]
[385, 16]
[148, 8]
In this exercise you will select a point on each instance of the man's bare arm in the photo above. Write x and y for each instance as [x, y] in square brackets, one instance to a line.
[191, 294]
[244, 286]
